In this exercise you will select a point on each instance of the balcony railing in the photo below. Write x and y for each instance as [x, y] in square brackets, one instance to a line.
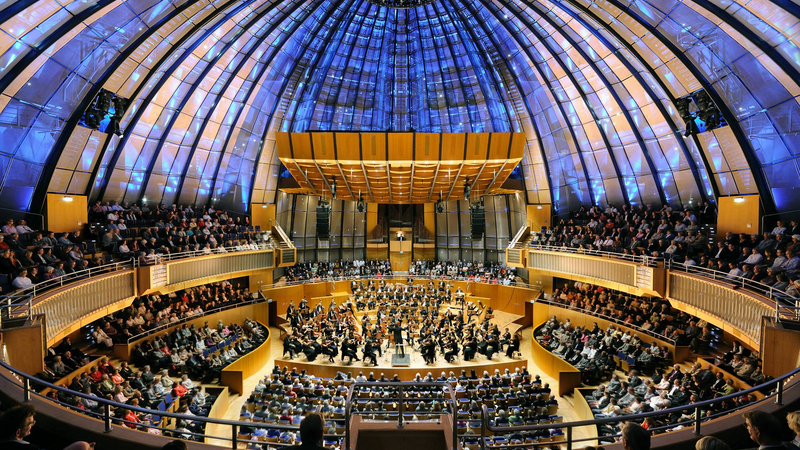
[402, 403]
[53, 307]
[776, 389]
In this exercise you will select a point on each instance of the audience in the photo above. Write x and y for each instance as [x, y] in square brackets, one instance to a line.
[318, 271]
[489, 272]
[123, 233]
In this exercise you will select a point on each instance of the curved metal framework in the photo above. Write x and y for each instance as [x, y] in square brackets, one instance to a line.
[592, 83]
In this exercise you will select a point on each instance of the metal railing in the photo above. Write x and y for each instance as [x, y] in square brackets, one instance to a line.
[649, 261]
[167, 257]
[609, 318]
[785, 306]
[185, 319]
[775, 387]
[26, 382]
[401, 400]
[396, 280]
[17, 304]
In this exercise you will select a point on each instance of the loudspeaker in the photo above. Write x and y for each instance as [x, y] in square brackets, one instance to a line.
[323, 222]
[477, 220]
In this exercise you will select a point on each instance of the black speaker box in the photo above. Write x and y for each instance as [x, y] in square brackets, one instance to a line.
[477, 216]
[323, 222]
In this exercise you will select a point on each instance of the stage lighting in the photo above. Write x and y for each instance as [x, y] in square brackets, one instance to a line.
[360, 205]
[333, 189]
[439, 206]
[683, 104]
[467, 189]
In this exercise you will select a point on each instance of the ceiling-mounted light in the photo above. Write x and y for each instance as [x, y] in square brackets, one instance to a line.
[360, 205]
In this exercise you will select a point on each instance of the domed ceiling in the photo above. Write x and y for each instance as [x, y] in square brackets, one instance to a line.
[202, 88]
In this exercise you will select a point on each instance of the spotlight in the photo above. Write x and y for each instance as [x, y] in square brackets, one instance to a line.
[333, 189]
[360, 205]
[682, 105]
[467, 189]
[120, 105]
[439, 207]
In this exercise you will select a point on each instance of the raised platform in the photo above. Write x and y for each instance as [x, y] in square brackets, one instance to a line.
[322, 368]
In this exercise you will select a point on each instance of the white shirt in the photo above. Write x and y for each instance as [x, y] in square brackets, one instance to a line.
[21, 282]
[22, 229]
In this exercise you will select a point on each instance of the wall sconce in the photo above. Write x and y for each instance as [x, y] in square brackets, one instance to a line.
[738, 200]
[66, 198]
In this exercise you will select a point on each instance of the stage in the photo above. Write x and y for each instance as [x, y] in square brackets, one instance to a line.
[321, 366]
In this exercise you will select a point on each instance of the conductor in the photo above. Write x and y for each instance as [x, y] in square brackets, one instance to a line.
[397, 330]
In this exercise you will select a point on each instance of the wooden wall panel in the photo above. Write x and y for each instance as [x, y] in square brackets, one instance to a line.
[301, 146]
[373, 146]
[453, 146]
[264, 278]
[567, 375]
[283, 295]
[400, 146]
[477, 146]
[780, 349]
[400, 261]
[66, 216]
[262, 215]
[283, 142]
[426, 147]
[738, 217]
[323, 147]
[538, 216]
[245, 367]
[517, 146]
[25, 347]
[348, 146]
[498, 148]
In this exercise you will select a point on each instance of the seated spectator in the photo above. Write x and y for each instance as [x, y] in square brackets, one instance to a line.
[22, 281]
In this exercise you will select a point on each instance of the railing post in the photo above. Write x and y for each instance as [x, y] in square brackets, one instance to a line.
[779, 395]
[26, 389]
[569, 438]
[106, 418]
[697, 420]
[400, 408]
[484, 421]
[234, 436]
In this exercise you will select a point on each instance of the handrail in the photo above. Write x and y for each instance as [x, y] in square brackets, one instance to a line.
[19, 303]
[21, 297]
[776, 295]
[396, 280]
[519, 234]
[649, 261]
[446, 387]
[25, 380]
[698, 419]
[609, 318]
[283, 235]
[188, 318]
[169, 257]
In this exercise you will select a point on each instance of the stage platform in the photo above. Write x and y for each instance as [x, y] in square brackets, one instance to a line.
[321, 367]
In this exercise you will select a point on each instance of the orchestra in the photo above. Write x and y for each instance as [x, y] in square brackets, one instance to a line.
[397, 315]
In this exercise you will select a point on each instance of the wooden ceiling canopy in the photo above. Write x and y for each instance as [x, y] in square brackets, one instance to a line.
[397, 167]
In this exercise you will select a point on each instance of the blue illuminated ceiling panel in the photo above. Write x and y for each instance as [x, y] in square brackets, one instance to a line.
[593, 84]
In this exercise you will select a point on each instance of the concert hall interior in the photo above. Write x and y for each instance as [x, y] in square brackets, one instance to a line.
[430, 224]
